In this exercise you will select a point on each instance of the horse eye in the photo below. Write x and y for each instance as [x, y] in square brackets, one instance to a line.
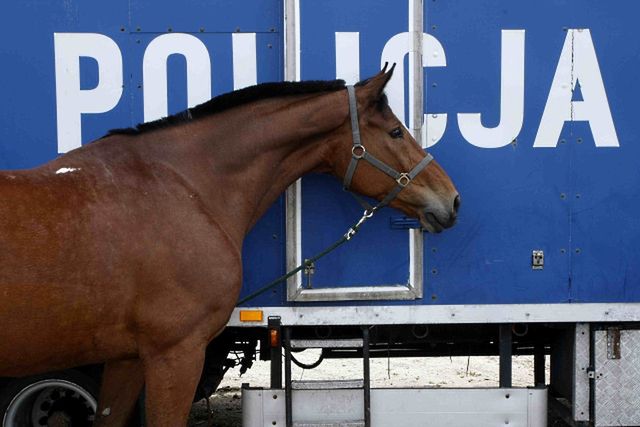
[396, 133]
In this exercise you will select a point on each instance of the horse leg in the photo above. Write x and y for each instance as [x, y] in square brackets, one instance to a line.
[171, 378]
[122, 383]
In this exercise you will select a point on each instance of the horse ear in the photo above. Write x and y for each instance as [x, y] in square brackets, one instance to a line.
[374, 87]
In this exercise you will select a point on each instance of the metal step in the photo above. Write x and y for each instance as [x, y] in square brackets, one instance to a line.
[357, 423]
[329, 343]
[327, 384]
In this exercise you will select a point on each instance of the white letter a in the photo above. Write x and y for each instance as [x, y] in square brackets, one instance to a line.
[578, 63]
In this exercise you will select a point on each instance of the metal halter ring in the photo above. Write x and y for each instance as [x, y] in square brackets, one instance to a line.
[403, 180]
[354, 151]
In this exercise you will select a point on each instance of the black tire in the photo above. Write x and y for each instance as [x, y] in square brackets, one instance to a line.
[70, 396]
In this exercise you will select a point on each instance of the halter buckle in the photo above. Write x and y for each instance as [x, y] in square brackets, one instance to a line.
[358, 151]
[403, 180]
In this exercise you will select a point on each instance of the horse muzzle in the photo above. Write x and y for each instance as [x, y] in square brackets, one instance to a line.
[437, 220]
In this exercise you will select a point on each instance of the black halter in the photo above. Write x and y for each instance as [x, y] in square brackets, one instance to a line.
[358, 151]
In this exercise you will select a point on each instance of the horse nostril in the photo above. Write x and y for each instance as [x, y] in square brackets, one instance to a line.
[456, 204]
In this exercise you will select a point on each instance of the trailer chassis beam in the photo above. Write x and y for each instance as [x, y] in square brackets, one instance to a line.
[505, 345]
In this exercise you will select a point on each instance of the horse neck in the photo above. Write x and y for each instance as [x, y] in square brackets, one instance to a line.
[241, 160]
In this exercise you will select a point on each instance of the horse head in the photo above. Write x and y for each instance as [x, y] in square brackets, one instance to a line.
[380, 158]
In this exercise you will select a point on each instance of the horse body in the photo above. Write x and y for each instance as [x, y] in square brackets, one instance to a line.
[93, 244]
[128, 250]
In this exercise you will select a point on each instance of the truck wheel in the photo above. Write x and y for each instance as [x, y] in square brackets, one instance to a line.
[62, 399]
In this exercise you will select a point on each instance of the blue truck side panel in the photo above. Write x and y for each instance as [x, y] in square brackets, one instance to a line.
[576, 201]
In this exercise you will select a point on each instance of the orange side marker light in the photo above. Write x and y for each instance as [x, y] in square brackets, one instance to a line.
[251, 315]
[274, 337]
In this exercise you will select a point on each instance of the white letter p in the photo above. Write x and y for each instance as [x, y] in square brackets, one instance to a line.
[71, 100]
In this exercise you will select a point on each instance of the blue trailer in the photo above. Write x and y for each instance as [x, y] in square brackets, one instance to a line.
[530, 106]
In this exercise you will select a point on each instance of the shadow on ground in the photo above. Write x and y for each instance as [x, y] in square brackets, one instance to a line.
[225, 410]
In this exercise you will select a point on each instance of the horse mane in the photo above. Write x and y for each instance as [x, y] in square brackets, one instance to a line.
[235, 99]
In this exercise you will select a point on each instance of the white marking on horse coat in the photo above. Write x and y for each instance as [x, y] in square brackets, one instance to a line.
[66, 170]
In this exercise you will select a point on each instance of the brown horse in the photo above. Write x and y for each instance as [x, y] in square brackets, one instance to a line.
[128, 250]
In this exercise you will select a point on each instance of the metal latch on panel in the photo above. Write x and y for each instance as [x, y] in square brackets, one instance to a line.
[537, 259]
[309, 270]
[403, 223]
[613, 343]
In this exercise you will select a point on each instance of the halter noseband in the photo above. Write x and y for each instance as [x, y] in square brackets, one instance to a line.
[358, 152]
